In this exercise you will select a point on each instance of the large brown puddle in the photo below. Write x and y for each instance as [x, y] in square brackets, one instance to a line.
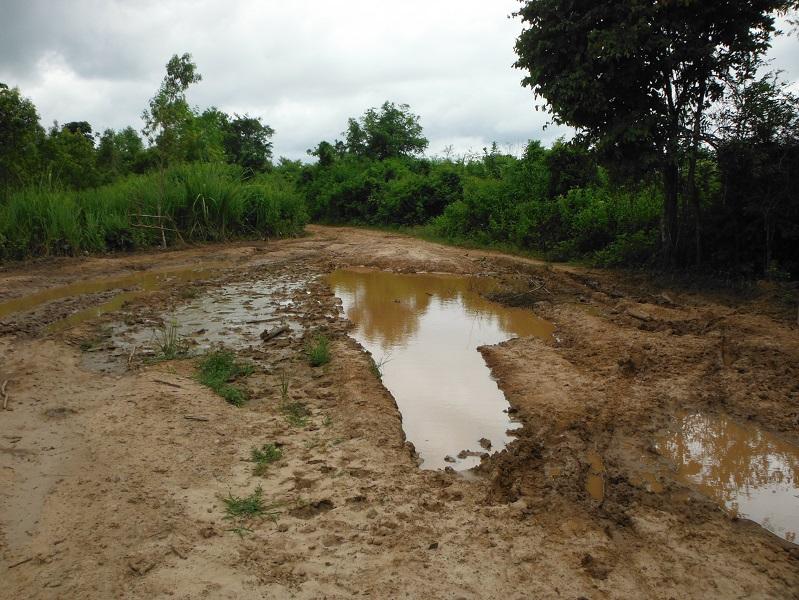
[425, 330]
[753, 474]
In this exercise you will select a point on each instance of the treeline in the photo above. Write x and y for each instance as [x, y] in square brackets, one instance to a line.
[567, 202]
[192, 176]
[718, 192]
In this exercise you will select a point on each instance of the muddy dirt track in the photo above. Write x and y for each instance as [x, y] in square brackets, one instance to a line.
[113, 465]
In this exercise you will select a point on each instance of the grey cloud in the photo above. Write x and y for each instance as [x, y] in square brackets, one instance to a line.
[305, 66]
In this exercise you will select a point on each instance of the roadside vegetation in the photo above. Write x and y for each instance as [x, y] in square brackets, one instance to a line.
[318, 351]
[684, 157]
[218, 370]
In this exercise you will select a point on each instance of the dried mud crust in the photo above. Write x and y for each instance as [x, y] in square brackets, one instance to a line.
[107, 489]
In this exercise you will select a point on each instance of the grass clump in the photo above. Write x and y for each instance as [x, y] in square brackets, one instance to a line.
[218, 369]
[170, 343]
[376, 366]
[296, 413]
[264, 456]
[243, 508]
[318, 351]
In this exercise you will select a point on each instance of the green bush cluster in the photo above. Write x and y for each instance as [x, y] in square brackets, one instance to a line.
[557, 201]
[197, 202]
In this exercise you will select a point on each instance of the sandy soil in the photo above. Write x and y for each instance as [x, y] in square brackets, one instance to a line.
[107, 490]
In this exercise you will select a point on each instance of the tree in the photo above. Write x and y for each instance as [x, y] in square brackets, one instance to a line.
[388, 132]
[70, 155]
[169, 112]
[120, 153]
[20, 138]
[247, 142]
[757, 146]
[636, 77]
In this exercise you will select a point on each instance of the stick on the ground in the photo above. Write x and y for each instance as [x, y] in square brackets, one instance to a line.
[193, 418]
[132, 352]
[268, 335]
[5, 394]
[174, 385]
[22, 562]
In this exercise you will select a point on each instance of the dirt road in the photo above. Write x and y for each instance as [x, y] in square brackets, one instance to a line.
[114, 465]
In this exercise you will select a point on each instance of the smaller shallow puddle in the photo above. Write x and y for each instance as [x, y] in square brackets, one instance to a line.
[425, 330]
[595, 480]
[751, 473]
[133, 285]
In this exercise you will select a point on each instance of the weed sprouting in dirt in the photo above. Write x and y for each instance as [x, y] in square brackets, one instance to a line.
[264, 456]
[284, 387]
[243, 508]
[296, 413]
[170, 343]
[218, 369]
[376, 366]
[318, 351]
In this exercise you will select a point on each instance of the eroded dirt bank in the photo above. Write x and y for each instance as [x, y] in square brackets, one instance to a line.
[114, 466]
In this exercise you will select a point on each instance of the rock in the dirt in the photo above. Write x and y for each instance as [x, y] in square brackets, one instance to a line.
[639, 314]
[449, 459]
[485, 443]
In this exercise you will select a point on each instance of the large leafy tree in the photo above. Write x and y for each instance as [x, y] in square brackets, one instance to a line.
[247, 142]
[635, 77]
[757, 145]
[70, 155]
[120, 153]
[387, 132]
[20, 138]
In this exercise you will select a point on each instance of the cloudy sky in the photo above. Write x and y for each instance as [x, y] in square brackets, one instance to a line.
[305, 66]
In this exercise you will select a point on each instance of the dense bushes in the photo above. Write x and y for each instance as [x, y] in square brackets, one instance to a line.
[557, 201]
[196, 202]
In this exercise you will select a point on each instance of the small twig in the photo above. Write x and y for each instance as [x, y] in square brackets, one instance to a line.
[22, 562]
[132, 352]
[5, 394]
[193, 418]
[174, 385]
[268, 335]
[178, 552]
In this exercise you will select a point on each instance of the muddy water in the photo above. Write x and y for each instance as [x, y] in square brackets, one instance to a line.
[133, 285]
[425, 330]
[233, 315]
[753, 474]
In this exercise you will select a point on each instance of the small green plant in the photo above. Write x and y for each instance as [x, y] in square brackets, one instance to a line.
[318, 351]
[296, 413]
[169, 342]
[218, 369]
[188, 293]
[264, 456]
[284, 387]
[248, 507]
[376, 366]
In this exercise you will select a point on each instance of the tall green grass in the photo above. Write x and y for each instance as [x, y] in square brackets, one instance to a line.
[197, 202]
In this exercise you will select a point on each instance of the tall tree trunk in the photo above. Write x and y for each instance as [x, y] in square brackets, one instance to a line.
[693, 192]
[671, 182]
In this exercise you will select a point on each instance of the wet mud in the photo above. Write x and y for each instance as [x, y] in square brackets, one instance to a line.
[653, 428]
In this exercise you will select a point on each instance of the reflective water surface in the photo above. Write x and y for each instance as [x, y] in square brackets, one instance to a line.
[752, 473]
[130, 286]
[424, 330]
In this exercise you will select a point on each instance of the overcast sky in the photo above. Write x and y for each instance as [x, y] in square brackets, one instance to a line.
[305, 66]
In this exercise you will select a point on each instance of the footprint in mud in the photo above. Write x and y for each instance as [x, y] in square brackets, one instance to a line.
[59, 412]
